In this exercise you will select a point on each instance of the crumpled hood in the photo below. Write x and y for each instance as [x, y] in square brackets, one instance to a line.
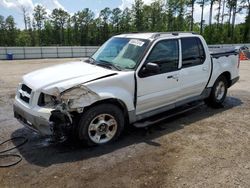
[65, 75]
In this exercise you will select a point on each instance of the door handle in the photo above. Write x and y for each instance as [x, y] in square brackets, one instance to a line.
[174, 77]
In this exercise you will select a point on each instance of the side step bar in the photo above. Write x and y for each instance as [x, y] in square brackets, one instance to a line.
[166, 115]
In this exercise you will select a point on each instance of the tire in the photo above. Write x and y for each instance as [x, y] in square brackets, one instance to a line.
[100, 124]
[218, 93]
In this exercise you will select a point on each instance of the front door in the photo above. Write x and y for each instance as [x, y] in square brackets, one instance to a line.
[158, 89]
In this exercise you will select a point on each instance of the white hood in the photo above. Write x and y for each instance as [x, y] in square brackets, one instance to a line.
[65, 75]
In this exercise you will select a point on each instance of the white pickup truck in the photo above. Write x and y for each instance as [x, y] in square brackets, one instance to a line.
[130, 78]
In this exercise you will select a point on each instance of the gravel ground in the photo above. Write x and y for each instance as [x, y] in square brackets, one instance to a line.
[202, 148]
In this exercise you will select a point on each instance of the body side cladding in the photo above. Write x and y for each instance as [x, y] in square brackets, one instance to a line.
[233, 81]
[132, 116]
[228, 77]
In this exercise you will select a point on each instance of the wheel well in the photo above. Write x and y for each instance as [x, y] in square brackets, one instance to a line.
[227, 75]
[115, 102]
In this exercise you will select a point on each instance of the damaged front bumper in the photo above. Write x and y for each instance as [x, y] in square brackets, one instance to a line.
[53, 118]
[37, 120]
[58, 126]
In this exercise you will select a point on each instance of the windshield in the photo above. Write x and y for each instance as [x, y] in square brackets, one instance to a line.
[124, 53]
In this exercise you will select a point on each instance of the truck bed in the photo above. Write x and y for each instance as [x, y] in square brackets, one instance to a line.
[219, 52]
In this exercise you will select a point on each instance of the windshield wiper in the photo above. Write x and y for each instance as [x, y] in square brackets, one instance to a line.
[108, 64]
[91, 60]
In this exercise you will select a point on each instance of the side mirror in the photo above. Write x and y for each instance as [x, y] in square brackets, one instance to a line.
[151, 68]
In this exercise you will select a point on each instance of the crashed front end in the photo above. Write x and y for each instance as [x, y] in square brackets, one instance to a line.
[51, 111]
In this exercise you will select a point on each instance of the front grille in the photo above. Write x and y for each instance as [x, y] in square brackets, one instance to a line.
[26, 88]
[25, 99]
[24, 93]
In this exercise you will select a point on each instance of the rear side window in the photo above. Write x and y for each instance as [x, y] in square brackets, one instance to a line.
[192, 52]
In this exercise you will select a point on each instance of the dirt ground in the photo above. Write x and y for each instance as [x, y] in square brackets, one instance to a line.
[202, 148]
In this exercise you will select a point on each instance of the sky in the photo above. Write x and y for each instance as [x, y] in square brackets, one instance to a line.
[12, 7]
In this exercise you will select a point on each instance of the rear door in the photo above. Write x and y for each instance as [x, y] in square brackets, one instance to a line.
[162, 88]
[196, 67]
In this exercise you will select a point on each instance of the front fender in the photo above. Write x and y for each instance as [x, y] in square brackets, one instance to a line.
[120, 87]
[117, 93]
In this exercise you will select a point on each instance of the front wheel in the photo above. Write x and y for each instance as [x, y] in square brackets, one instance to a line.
[100, 124]
[218, 93]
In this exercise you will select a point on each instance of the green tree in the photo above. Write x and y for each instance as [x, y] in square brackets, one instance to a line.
[39, 18]
[105, 17]
[23, 39]
[126, 20]
[179, 24]
[69, 32]
[157, 16]
[147, 19]
[59, 19]
[137, 9]
[116, 19]
[96, 31]
[75, 29]
[11, 31]
[161, 15]
[31, 32]
[49, 34]
[172, 7]
[2, 31]
[82, 21]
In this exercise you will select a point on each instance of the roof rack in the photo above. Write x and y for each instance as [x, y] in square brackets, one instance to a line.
[175, 33]
[158, 34]
[136, 32]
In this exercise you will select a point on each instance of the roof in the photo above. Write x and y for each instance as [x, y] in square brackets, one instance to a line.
[154, 35]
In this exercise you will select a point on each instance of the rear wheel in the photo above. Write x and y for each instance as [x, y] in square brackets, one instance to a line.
[100, 124]
[218, 93]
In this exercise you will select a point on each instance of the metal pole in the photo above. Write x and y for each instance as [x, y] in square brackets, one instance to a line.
[41, 52]
[24, 54]
[6, 52]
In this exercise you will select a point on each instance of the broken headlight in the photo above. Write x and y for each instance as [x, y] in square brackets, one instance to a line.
[75, 93]
[47, 100]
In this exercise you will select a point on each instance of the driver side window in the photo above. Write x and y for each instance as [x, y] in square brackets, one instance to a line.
[166, 54]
